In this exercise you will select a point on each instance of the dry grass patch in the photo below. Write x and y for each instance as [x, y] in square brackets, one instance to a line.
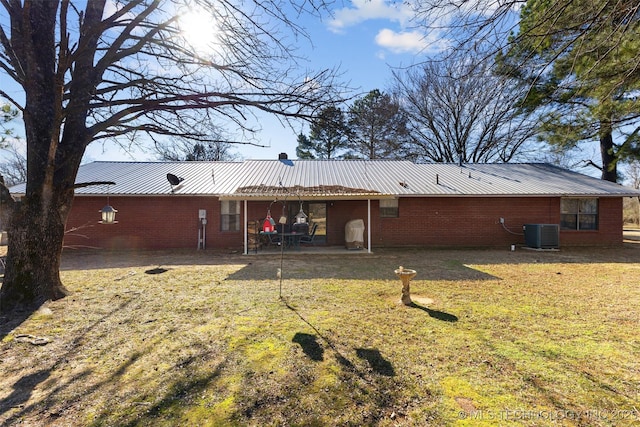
[507, 339]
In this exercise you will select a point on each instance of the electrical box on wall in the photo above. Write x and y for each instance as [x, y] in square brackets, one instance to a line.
[202, 214]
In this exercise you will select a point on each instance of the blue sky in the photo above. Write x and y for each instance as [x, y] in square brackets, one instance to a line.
[363, 38]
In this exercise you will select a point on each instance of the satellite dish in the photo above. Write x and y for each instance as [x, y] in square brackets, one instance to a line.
[174, 180]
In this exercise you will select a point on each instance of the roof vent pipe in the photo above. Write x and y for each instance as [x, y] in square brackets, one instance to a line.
[283, 156]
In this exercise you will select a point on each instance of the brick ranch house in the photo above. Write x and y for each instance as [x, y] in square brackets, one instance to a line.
[161, 204]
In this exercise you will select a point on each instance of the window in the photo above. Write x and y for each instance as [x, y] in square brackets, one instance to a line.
[389, 208]
[230, 215]
[579, 214]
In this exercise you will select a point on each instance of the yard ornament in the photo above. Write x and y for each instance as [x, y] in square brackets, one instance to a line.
[405, 275]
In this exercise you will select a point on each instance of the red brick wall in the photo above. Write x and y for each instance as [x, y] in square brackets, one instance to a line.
[449, 221]
[172, 222]
[148, 223]
[475, 222]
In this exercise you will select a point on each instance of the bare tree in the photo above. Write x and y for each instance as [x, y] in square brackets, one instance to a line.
[185, 150]
[465, 24]
[13, 167]
[632, 205]
[92, 70]
[460, 111]
[469, 23]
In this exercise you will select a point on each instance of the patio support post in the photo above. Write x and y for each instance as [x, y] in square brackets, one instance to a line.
[369, 225]
[246, 229]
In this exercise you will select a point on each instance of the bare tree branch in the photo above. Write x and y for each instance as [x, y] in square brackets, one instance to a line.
[461, 112]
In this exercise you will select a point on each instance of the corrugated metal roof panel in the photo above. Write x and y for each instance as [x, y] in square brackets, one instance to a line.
[305, 177]
[339, 179]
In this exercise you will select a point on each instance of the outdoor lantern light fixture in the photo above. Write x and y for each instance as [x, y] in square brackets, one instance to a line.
[108, 213]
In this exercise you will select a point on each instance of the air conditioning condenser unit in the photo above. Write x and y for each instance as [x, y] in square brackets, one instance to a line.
[542, 236]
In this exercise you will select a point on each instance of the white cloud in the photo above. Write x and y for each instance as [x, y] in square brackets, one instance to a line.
[364, 10]
[397, 41]
[409, 42]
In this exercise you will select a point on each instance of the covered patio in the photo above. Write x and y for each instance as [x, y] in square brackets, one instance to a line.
[325, 216]
[325, 200]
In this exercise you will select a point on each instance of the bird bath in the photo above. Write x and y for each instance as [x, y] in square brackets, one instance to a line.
[405, 274]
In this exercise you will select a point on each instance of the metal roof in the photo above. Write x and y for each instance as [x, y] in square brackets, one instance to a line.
[352, 179]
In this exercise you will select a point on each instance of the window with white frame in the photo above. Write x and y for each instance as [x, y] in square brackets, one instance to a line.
[389, 208]
[230, 215]
[579, 213]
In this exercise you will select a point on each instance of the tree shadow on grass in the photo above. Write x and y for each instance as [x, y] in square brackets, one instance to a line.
[178, 396]
[23, 389]
[439, 315]
[12, 319]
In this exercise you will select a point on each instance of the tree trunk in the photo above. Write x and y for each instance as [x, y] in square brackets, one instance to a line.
[609, 161]
[33, 257]
[36, 224]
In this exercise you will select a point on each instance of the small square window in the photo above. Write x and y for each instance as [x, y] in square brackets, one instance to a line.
[579, 214]
[230, 215]
[389, 208]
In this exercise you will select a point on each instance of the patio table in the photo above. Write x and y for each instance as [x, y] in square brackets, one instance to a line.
[292, 239]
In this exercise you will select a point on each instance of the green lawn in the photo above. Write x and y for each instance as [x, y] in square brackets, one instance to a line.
[495, 338]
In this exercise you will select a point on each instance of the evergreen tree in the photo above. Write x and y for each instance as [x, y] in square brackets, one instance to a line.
[327, 138]
[304, 150]
[378, 127]
[581, 62]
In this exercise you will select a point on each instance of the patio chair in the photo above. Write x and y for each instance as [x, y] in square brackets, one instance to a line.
[308, 239]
